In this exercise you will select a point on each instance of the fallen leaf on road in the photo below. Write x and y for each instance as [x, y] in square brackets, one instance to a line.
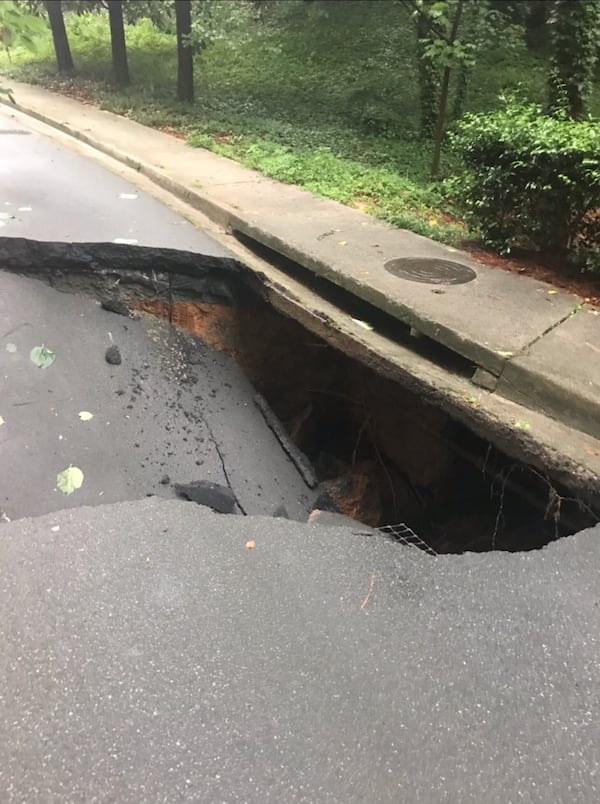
[522, 425]
[552, 292]
[342, 242]
[1, 421]
[10, 347]
[591, 452]
[42, 357]
[69, 480]
[85, 415]
[250, 545]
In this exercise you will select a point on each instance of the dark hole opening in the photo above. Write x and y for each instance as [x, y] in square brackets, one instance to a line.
[382, 454]
[382, 322]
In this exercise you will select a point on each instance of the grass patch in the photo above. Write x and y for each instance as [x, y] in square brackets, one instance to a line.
[319, 95]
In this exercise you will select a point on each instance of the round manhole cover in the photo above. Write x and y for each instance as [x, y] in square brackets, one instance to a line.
[431, 272]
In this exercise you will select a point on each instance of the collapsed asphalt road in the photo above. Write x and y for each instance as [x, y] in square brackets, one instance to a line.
[153, 651]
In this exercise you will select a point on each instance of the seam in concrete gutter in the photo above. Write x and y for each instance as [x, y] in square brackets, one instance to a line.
[522, 352]
[547, 331]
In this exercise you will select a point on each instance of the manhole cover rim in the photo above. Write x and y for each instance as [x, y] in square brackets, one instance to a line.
[431, 270]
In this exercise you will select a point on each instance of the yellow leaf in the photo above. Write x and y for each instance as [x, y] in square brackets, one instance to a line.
[342, 242]
[552, 292]
[250, 545]
[69, 480]
[85, 415]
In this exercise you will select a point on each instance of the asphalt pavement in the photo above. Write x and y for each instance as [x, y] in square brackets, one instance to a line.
[151, 650]
[172, 412]
[155, 652]
[50, 193]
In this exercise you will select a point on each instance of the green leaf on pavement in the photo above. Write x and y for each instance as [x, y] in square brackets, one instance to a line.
[69, 480]
[42, 357]
[10, 347]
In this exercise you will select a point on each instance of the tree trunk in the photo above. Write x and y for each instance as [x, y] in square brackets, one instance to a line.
[117, 42]
[441, 119]
[64, 60]
[427, 80]
[185, 56]
[575, 28]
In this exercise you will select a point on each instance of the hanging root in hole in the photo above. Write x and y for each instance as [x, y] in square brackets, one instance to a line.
[554, 502]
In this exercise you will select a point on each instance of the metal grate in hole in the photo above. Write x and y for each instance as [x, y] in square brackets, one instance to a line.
[431, 272]
[405, 535]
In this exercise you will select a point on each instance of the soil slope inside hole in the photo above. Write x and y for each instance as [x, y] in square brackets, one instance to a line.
[382, 454]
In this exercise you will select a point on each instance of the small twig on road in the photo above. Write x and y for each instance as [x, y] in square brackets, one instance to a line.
[368, 595]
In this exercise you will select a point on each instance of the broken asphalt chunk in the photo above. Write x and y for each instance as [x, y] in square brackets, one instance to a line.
[113, 355]
[115, 306]
[220, 498]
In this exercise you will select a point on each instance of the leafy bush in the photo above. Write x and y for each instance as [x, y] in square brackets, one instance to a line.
[531, 180]
[89, 36]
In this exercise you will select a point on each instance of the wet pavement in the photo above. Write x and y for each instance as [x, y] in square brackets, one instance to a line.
[172, 409]
[153, 651]
[50, 193]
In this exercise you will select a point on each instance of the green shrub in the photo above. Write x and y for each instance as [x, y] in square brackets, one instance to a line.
[531, 180]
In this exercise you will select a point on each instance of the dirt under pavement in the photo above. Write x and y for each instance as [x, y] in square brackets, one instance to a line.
[382, 454]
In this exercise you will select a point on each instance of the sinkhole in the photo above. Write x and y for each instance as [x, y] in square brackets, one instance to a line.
[382, 454]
